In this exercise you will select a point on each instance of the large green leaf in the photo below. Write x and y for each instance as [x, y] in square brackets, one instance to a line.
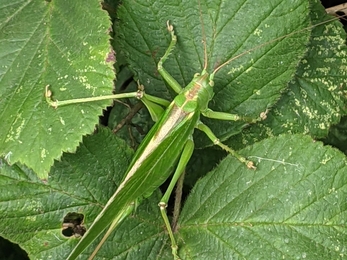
[250, 83]
[316, 97]
[292, 205]
[64, 44]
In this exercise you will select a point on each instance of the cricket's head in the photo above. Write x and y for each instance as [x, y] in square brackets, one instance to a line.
[200, 88]
[204, 79]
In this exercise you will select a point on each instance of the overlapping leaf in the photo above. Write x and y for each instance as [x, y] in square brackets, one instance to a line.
[316, 97]
[293, 206]
[251, 82]
[59, 43]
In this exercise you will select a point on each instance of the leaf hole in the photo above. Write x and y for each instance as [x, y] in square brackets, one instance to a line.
[73, 225]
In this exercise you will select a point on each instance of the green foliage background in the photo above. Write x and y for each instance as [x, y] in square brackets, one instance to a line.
[55, 161]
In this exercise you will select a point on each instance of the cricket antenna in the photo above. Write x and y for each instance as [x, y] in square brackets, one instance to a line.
[275, 40]
[204, 38]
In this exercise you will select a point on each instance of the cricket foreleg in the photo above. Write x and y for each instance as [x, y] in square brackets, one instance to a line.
[186, 154]
[216, 141]
[166, 76]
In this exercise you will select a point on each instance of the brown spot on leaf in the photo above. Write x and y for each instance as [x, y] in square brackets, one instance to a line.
[111, 57]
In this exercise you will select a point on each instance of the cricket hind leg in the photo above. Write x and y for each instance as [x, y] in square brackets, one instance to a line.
[230, 117]
[185, 156]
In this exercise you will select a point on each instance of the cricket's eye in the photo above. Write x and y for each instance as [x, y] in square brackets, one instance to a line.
[196, 75]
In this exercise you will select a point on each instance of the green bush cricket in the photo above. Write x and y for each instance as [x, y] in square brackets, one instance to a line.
[173, 130]
[168, 141]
